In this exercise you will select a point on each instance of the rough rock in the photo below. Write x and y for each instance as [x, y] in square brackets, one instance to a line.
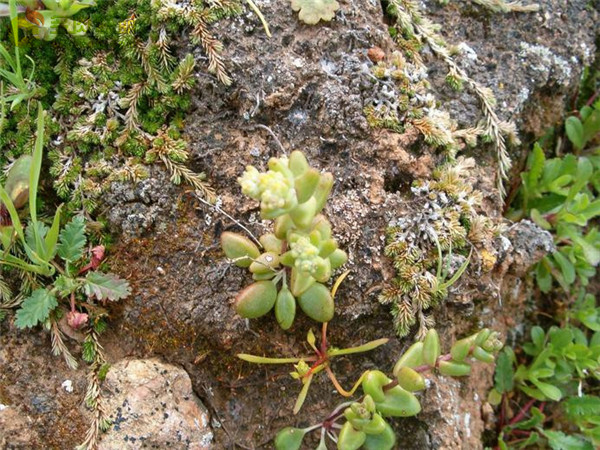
[134, 208]
[153, 406]
[306, 84]
[16, 429]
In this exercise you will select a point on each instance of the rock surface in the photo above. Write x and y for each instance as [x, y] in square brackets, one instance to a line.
[16, 430]
[305, 84]
[153, 406]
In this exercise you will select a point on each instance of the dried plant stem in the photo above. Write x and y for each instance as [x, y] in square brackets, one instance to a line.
[93, 398]
[409, 17]
[179, 172]
[59, 347]
[257, 11]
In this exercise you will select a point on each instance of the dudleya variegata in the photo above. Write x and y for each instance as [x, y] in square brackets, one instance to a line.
[300, 253]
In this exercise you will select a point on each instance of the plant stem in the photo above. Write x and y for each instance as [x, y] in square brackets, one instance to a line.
[522, 412]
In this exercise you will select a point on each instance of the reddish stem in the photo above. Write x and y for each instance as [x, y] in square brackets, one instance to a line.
[523, 412]
[521, 432]
[502, 418]
[324, 338]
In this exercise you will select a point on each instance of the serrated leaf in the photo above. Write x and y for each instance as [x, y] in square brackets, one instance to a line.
[504, 376]
[35, 309]
[88, 351]
[561, 441]
[311, 11]
[72, 239]
[106, 286]
[580, 407]
[536, 165]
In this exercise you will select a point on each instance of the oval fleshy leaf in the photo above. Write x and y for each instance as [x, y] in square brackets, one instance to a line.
[349, 438]
[285, 308]
[454, 368]
[289, 438]
[300, 282]
[239, 248]
[373, 384]
[413, 357]
[382, 441]
[399, 403]
[256, 300]
[270, 243]
[410, 380]
[431, 347]
[265, 263]
[317, 303]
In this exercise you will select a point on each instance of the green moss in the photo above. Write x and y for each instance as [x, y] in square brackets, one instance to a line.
[109, 92]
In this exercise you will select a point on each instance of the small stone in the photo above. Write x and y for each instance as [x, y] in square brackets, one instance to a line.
[67, 385]
[376, 54]
[141, 382]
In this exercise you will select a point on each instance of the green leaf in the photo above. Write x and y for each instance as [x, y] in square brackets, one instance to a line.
[88, 351]
[561, 441]
[359, 349]
[504, 376]
[574, 129]
[36, 164]
[536, 419]
[543, 276]
[72, 239]
[289, 438]
[35, 309]
[550, 391]
[536, 165]
[591, 125]
[52, 236]
[106, 286]
[537, 336]
[580, 407]
[311, 11]
[566, 267]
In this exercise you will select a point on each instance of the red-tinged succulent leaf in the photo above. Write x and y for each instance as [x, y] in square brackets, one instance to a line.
[256, 300]
[239, 248]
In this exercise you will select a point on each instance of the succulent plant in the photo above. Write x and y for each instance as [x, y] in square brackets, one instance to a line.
[45, 16]
[301, 249]
[366, 425]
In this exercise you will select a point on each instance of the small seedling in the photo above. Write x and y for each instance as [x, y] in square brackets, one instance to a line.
[321, 361]
[365, 418]
[301, 253]
[49, 250]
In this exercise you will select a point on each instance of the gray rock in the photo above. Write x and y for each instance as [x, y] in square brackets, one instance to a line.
[134, 208]
[152, 405]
